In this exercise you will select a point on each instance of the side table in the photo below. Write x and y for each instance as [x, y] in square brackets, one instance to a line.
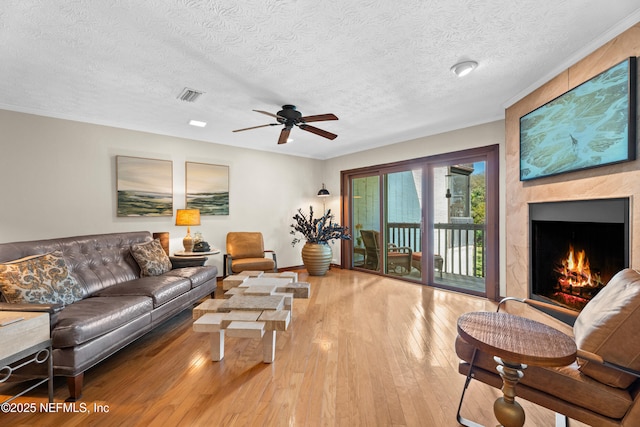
[181, 259]
[515, 342]
[25, 339]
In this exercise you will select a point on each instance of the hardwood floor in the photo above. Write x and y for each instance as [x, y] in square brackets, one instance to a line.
[362, 351]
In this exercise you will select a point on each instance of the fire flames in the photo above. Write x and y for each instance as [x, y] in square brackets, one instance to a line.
[576, 280]
[575, 270]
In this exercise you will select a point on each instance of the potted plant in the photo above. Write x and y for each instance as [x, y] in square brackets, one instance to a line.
[318, 232]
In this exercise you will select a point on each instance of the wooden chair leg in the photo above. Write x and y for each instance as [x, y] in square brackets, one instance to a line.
[74, 384]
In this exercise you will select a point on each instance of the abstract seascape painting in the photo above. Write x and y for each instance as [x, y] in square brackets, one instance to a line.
[593, 124]
[207, 188]
[144, 186]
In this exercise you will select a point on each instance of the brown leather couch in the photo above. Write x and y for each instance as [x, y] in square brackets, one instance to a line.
[117, 305]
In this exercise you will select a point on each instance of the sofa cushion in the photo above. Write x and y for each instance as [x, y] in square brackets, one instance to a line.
[565, 383]
[40, 279]
[608, 326]
[160, 289]
[94, 316]
[197, 275]
[151, 258]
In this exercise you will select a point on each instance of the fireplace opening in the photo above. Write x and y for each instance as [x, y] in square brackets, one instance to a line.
[576, 248]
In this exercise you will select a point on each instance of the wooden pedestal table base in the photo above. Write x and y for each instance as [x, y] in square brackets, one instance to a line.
[515, 342]
[509, 412]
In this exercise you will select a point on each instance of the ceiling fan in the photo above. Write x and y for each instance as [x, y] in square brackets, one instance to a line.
[290, 117]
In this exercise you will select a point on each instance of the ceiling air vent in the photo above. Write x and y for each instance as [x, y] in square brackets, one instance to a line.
[189, 95]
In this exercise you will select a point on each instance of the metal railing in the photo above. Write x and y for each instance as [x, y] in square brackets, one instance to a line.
[461, 246]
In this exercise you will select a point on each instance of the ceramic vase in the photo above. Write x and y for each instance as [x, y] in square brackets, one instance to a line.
[317, 258]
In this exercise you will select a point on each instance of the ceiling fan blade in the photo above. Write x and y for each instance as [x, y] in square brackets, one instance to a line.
[256, 127]
[268, 114]
[319, 118]
[317, 131]
[284, 135]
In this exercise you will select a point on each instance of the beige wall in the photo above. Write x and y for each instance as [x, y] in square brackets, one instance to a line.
[621, 180]
[58, 179]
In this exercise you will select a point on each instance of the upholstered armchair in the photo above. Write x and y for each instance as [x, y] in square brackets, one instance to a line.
[602, 387]
[245, 251]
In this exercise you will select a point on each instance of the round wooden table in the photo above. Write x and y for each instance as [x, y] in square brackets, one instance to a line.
[515, 342]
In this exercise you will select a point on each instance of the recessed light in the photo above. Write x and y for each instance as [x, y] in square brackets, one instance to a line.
[461, 69]
[289, 139]
[197, 123]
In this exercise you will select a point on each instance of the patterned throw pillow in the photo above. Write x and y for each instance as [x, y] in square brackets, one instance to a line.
[40, 279]
[151, 258]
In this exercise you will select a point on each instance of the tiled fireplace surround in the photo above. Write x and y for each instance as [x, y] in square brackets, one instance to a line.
[614, 181]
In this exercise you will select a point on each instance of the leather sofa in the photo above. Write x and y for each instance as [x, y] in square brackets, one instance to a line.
[112, 304]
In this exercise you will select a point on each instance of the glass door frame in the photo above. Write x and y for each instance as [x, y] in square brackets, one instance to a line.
[347, 207]
[347, 246]
[490, 155]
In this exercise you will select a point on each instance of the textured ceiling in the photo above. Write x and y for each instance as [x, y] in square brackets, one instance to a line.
[381, 66]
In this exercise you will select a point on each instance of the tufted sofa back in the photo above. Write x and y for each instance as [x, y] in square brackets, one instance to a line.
[96, 261]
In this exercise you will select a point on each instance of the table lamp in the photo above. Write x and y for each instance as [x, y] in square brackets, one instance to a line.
[188, 217]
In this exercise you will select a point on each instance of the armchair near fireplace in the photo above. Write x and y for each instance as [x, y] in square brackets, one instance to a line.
[602, 387]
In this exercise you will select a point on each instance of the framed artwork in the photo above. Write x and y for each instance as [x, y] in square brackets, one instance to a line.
[144, 186]
[207, 188]
[593, 124]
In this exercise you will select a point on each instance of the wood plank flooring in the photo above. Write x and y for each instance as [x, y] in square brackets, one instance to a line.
[364, 350]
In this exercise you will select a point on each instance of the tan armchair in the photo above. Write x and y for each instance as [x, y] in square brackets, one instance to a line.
[245, 251]
[600, 389]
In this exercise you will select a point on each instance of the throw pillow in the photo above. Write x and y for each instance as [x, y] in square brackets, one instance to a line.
[40, 279]
[151, 258]
[608, 326]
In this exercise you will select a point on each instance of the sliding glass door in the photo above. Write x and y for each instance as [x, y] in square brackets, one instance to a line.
[431, 220]
[403, 223]
[386, 218]
[459, 225]
[365, 222]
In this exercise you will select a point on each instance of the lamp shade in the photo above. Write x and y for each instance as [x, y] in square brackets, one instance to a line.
[323, 192]
[188, 217]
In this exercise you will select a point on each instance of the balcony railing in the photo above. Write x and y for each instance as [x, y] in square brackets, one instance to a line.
[461, 246]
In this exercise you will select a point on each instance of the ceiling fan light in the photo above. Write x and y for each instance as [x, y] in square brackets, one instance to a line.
[461, 69]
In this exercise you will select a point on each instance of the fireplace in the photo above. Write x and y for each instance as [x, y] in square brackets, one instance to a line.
[576, 247]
